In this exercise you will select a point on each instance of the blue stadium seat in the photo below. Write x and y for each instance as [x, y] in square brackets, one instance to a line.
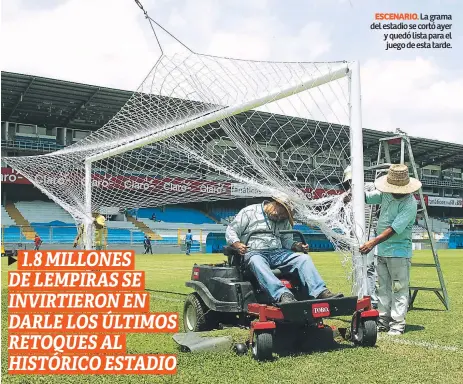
[11, 235]
[175, 215]
[64, 235]
[118, 235]
[224, 213]
[44, 233]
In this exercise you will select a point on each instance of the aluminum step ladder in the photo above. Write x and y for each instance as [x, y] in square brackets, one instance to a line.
[405, 148]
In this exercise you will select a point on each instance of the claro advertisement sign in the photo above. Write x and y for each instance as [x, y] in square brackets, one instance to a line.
[451, 202]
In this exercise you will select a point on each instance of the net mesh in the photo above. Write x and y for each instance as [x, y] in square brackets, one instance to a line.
[204, 128]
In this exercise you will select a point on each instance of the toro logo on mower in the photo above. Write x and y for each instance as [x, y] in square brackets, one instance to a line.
[195, 274]
[320, 310]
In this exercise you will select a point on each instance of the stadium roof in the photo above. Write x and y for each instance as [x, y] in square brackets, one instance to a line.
[55, 103]
[50, 103]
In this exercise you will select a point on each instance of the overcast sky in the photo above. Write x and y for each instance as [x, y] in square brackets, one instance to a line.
[109, 43]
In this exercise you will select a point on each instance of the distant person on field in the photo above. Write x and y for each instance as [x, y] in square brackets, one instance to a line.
[147, 244]
[371, 257]
[394, 192]
[99, 223]
[188, 241]
[37, 242]
[153, 217]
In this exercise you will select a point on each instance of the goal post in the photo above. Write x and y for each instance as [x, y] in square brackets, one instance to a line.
[88, 223]
[204, 128]
[358, 181]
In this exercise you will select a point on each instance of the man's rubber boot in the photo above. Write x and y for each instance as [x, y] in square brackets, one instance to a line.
[287, 298]
[327, 294]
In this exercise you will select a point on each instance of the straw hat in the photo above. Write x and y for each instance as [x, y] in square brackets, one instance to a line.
[100, 221]
[284, 200]
[397, 181]
[347, 174]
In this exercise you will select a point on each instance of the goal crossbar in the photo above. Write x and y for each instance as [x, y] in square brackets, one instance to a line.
[222, 114]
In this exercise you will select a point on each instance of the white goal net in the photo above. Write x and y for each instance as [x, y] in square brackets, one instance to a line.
[204, 128]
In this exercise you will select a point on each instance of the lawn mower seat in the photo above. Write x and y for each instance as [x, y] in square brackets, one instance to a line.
[236, 260]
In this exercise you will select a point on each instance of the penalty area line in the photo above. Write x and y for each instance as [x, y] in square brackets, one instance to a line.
[165, 298]
[422, 344]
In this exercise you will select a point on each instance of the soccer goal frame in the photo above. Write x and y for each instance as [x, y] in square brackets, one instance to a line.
[349, 70]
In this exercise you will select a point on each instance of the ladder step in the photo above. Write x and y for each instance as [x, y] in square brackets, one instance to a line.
[379, 167]
[425, 289]
[421, 240]
[423, 265]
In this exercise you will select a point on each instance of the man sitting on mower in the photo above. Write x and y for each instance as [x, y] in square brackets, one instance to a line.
[265, 252]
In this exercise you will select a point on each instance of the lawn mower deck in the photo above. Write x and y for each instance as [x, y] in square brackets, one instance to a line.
[225, 294]
[310, 313]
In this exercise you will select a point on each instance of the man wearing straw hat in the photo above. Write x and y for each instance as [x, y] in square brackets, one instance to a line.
[99, 223]
[265, 252]
[394, 192]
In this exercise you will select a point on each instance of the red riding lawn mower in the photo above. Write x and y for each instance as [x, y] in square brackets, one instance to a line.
[228, 294]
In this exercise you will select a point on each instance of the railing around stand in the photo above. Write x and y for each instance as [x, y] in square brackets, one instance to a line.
[13, 236]
[36, 146]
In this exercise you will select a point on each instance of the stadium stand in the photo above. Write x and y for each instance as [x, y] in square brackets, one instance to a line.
[124, 232]
[69, 122]
[31, 144]
[25, 230]
[455, 240]
[175, 215]
[10, 234]
[6, 219]
[51, 222]
[436, 224]
[44, 213]
[224, 214]
[418, 229]
[63, 235]
[55, 225]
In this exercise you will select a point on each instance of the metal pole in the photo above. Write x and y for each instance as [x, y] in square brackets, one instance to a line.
[402, 151]
[358, 182]
[88, 238]
[370, 207]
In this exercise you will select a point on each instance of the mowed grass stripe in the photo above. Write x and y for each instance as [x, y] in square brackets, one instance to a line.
[410, 359]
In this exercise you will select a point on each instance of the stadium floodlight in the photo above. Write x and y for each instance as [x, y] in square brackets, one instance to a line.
[207, 128]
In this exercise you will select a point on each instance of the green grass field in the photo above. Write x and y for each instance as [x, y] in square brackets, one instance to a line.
[431, 351]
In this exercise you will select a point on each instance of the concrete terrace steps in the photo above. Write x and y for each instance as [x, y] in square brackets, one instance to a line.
[38, 211]
[144, 228]
[19, 219]
[6, 219]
